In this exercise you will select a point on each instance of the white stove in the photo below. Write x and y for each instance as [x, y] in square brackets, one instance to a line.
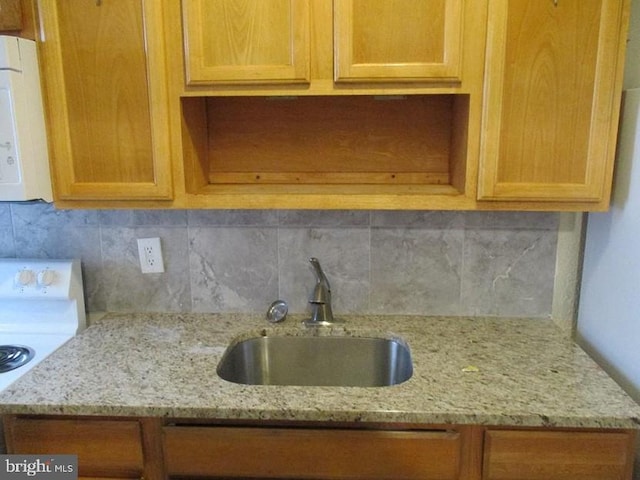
[41, 308]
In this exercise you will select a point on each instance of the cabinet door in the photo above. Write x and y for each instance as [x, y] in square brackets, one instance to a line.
[398, 40]
[246, 41]
[237, 452]
[530, 455]
[552, 96]
[10, 15]
[106, 97]
[105, 448]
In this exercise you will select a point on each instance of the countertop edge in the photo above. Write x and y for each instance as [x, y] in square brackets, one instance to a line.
[213, 414]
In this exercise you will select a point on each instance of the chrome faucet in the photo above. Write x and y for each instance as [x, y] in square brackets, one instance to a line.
[321, 313]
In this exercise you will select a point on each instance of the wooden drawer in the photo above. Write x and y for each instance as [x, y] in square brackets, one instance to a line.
[529, 455]
[105, 448]
[311, 453]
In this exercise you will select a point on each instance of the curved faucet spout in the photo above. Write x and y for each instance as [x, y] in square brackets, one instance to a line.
[321, 312]
[322, 290]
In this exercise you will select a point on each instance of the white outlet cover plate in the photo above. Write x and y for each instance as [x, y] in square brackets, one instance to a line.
[150, 254]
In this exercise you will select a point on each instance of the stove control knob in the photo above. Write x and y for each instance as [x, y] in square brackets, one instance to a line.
[24, 277]
[46, 277]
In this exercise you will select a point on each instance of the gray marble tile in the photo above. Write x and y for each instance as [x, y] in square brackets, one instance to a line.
[344, 257]
[47, 241]
[5, 215]
[45, 215]
[7, 245]
[323, 218]
[418, 219]
[408, 262]
[237, 218]
[416, 271]
[513, 220]
[125, 288]
[509, 272]
[126, 218]
[233, 269]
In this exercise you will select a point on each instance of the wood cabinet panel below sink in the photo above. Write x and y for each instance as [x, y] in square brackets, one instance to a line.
[312, 453]
[158, 449]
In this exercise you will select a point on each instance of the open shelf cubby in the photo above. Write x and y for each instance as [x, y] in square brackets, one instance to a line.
[338, 141]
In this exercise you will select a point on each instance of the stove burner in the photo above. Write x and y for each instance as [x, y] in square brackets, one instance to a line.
[14, 356]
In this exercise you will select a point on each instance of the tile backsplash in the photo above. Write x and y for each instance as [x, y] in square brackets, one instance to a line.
[382, 262]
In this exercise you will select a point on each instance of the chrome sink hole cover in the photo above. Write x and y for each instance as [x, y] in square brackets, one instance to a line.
[14, 356]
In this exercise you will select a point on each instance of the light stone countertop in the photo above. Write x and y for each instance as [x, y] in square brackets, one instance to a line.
[528, 374]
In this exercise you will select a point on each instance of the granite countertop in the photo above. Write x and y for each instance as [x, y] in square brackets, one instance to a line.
[525, 373]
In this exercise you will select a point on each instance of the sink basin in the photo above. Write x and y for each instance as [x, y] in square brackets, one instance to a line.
[317, 361]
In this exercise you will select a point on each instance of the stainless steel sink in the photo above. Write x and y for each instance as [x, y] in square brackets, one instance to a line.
[317, 361]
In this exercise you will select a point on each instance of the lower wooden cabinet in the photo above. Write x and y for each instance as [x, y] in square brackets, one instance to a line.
[312, 453]
[105, 448]
[158, 449]
[544, 455]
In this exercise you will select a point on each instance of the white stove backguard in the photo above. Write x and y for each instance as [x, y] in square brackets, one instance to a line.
[41, 306]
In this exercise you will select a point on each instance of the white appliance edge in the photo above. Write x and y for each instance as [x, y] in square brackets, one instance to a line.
[24, 159]
[41, 307]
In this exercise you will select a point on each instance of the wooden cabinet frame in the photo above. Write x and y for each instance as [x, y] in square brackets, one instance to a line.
[202, 184]
[185, 176]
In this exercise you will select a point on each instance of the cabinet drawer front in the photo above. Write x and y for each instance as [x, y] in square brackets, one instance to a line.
[307, 453]
[104, 448]
[513, 455]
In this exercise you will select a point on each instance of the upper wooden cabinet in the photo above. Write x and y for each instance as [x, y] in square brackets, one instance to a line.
[326, 103]
[552, 98]
[105, 77]
[278, 41]
[340, 104]
[10, 15]
[254, 41]
[398, 40]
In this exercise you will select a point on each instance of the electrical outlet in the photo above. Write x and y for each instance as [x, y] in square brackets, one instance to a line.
[150, 254]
